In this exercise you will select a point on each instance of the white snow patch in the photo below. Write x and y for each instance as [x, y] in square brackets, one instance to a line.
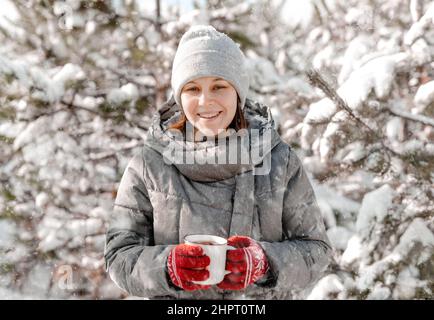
[376, 74]
[38, 280]
[326, 287]
[262, 72]
[128, 92]
[395, 129]
[407, 282]
[379, 292]
[339, 237]
[357, 48]
[8, 231]
[343, 205]
[353, 252]
[374, 208]
[11, 130]
[424, 95]
[297, 13]
[42, 199]
[417, 30]
[417, 232]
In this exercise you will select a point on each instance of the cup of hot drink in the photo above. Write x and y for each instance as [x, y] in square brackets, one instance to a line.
[215, 248]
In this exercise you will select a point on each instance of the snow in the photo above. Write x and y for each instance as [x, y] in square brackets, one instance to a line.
[108, 290]
[421, 52]
[69, 72]
[87, 102]
[418, 28]
[38, 281]
[85, 227]
[99, 212]
[11, 130]
[327, 286]
[395, 129]
[42, 199]
[353, 252]
[374, 208]
[357, 48]
[407, 283]
[41, 152]
[323, 57]
[379, 292]
[299, 86]
[91, 262]
[10, 14]
[7, 234]
[424, 96]
[327, 213]
[297, 13]
[53, 88]
[127, 92]
[33, 129]
[417, 232]
[356, 151]
[194, 17]
[320, 111]
[14, 254]
[345, 207]
[16, 68]
[376, 74]
[339, 237]
[262, 72]
[314, 165]
[410, 146]
[8, 294]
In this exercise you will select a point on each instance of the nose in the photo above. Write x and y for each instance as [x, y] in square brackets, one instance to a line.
[204, 98]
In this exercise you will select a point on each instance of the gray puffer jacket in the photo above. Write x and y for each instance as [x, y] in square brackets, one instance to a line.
[159, 202]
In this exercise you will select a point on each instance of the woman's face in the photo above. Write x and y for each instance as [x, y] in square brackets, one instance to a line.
[209, 104]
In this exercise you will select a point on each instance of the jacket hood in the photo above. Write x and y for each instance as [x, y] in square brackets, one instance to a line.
[217, 160]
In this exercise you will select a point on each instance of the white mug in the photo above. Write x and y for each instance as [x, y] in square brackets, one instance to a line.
[215, 251]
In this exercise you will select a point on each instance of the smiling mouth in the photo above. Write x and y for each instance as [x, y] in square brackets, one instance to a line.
[209, 115]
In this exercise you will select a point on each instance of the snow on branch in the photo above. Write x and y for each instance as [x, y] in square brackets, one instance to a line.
[412, 117]
[318, 81]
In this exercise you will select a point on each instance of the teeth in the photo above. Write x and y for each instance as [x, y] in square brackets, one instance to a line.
[208, 115]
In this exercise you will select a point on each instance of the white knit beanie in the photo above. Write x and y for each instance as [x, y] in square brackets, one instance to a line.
[205, 52]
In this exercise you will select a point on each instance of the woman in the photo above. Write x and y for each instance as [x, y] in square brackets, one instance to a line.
[261, 201]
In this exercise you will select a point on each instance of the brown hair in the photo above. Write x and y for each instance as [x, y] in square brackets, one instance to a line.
[238, 122]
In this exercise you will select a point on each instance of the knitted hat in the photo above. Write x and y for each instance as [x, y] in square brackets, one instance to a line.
[205, 52]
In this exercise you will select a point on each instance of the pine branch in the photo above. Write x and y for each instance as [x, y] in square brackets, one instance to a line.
[318, 81]
[412, 117]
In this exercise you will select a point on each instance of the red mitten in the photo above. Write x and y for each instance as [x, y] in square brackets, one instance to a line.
[247, 263]
[187, 263]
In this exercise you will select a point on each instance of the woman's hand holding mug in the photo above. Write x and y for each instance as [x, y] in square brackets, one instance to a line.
[247, 263]
[187, 263]
[204, 260]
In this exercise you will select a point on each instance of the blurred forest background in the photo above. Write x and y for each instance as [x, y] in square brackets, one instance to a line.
[80, 81]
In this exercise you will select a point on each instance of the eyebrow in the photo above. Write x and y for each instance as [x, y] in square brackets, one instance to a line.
[214, 80]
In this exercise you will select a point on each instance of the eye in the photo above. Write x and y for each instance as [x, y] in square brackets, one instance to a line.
[192, 89]
[220, 87]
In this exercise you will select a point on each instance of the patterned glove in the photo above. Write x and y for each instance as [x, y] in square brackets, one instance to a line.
[187, 263]
[247, 263]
